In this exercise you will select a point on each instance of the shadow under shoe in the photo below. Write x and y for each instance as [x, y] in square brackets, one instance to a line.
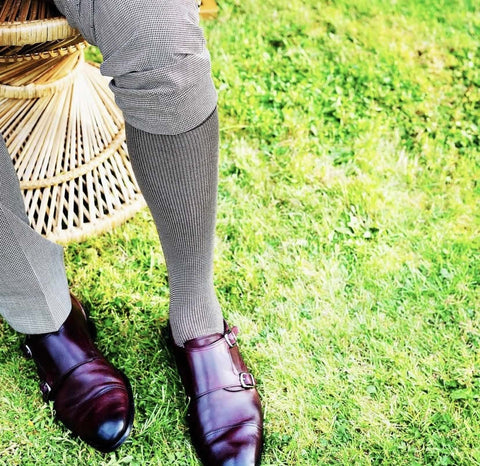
[224, 414]
[91, 398]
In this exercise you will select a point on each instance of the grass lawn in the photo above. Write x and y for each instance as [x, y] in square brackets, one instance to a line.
[347, 246]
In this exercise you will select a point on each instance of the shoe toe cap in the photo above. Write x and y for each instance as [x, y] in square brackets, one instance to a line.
[113, 421]
[103, 420]
[111, 433]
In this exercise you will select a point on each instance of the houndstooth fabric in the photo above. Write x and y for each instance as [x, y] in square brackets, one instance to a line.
[156, 53]
[34, 295]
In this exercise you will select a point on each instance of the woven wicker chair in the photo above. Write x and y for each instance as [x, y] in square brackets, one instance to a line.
[62, 128]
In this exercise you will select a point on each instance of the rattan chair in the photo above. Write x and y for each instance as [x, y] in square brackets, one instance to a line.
[63, 130]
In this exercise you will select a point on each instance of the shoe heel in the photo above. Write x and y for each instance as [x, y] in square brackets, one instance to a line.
[92, 328]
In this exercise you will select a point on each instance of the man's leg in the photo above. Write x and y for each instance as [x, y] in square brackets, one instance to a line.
[156, 53]
[91, 398]
[34, 295]
[162, 81]
[178, 178]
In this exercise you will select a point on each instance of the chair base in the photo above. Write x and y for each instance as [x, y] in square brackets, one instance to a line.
[67, 142]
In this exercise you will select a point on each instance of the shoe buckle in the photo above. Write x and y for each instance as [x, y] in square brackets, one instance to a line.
[231, 339]
[247, 380]
[46, 390]
[27, 352]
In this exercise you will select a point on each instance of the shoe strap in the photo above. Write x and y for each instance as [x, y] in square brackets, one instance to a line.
[49, 390]
[58, 354]
[217, 366]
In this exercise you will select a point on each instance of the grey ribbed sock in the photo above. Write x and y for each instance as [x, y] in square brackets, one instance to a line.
[178, 178]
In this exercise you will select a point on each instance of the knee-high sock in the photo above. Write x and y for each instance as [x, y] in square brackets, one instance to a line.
[34, 295]
[178, 178]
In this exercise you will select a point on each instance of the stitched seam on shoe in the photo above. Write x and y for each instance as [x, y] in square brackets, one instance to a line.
[106, 390]
[208, 347]
[59, 382]
[219, 388]
[240, 424]
[110, 387]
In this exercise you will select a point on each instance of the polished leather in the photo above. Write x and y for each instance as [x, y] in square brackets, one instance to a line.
[91, 397]
[224, 413]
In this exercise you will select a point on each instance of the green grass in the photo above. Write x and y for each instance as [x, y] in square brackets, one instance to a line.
[347, 246]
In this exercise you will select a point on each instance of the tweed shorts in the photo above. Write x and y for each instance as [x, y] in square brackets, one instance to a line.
[155, 52]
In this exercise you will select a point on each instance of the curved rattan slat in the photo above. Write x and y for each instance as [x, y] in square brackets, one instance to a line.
[35, 91]
[60, 51]
[101, 225]
[33, 32]
[24, 75]
[31, 49]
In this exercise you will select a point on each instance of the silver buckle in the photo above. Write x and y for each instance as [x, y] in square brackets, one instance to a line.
[27, 352]
[230, 339]
[46, 390]
[244, 382]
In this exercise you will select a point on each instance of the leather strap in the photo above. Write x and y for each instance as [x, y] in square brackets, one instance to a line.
[49, 390]
[216, 367]
[58, 354]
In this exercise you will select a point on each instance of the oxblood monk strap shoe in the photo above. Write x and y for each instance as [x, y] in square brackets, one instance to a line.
[91, 398]
[224, 414]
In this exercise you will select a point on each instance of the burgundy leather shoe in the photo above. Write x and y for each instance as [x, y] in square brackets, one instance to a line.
[224, 414]
[91, 397]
